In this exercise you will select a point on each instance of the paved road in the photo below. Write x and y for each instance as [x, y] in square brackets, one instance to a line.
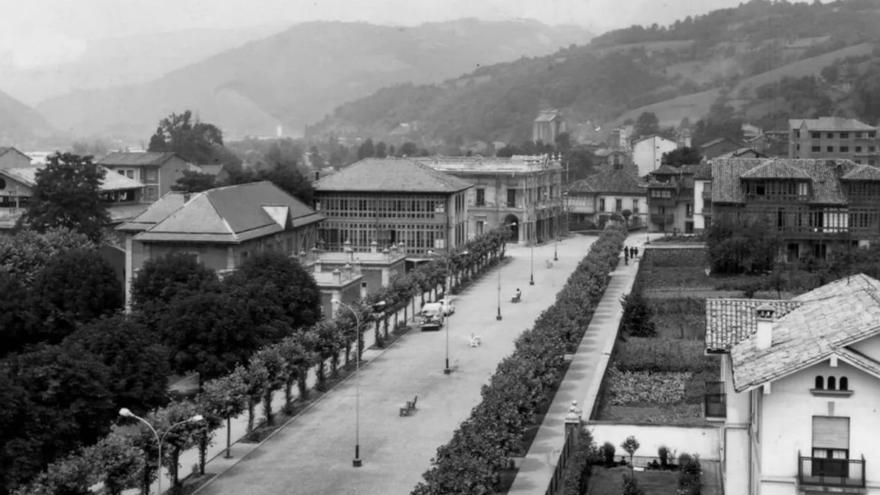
[313, 454]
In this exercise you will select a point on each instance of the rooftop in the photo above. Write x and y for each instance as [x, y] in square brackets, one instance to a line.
[479, 164]
[401, 175]
[830, 124]
[136, 159]
[112, 181]
[623, 180]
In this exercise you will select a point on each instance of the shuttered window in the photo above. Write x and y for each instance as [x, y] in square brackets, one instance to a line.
[830, 432]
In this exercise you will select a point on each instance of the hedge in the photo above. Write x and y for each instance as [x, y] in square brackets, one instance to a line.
[485, 442]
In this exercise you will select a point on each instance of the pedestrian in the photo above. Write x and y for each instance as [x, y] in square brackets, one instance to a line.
[626, 256]
[632, 252]
[637, 250]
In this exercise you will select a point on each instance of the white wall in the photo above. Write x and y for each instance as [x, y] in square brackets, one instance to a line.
[699, 204]
[700, 440]
[647, 153]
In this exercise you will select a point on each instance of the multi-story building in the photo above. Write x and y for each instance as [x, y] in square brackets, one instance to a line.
[157, 171]
[392, 201]
[220, 227]
[671, 199]
[814, 206]
[548, 125]
[834, 137]
[800, 390]
[612, 190]
[522, 192]
[648, 153]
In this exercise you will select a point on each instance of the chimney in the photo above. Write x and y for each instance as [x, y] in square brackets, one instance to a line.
[764, 335]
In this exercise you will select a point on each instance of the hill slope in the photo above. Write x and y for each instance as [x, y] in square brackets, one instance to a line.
[21, 125]
[677, 71]
[299, 75]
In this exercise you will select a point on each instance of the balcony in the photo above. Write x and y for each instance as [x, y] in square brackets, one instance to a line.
[827, 473]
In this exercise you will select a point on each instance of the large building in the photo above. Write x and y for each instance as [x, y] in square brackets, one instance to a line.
[801, 390]
[392, 201]
[648, 153]
[522, 192]
[814, 206]
[157, 171]
[614, 189]
[220, 227]
[834, 137]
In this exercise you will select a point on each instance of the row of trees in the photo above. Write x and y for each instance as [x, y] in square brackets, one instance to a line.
[484, 443]
[126, 456]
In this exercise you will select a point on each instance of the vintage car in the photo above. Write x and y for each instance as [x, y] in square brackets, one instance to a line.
[431, 316]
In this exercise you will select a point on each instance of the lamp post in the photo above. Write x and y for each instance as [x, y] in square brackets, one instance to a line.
[356, 462]
[444, 304]
[126, 413]
[555, 244]
[532, 261]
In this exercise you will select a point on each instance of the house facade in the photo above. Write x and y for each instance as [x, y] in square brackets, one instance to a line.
[547, 126]
[157, 171]
[834, 137]
[392, 201]
[702, 197]
[802, 389]
[814, 206]
[220, 227]
[614, 189]
[522, 192]
[648, 153]
[671, 199]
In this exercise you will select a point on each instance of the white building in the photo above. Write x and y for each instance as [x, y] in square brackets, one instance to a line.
[648, 152]
[802, 383]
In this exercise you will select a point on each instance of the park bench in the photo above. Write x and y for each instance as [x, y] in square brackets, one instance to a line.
[409, 407]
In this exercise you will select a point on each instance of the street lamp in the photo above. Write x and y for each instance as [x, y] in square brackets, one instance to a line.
[555, 244]
[447, 288]
[126, 413]
[356, 462]
[532, 255]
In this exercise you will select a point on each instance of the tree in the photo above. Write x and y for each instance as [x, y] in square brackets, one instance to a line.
[631, 486]
[381, 150]
[136, 361]
[67, 194]
[291, 181]
[682, 156]
[366, 149]
[276, 376]
[745, 246]
[17, 319]
[630, 445]
[637, 315]
[195, 141]
[647, 124]
[409, 148]
[76, 286]
[193, 182]
[162, 279]
[226, 398]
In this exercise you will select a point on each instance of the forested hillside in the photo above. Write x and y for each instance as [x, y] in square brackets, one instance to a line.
[744, 56]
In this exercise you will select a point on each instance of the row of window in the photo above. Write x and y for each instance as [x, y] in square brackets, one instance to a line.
[840, 134]
[410, 207]
[777, 189]
[618, 205]
[831, 383]
[841, 149]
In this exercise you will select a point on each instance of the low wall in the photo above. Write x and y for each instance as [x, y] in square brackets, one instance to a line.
[701, 440]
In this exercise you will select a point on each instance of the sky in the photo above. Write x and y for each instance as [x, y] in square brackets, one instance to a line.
[47, 32]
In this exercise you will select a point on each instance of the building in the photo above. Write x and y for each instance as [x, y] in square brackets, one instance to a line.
[800, 390]
[833, 137]
[702, 197]
[522, 192]
[119, 194]
[648, 153]
[616, 188]
[547, 126]
[814, 206]
[220, 227]
[718, 147]
[392, 201]
[671, 199]
[612, 157]
[12, 158]
[157, 171]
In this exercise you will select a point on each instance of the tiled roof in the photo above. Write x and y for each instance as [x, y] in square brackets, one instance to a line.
[232, 214]
[741, 152]
[863, 172]
[401, 175]
[112, 180]
[703, 171]
[547, 116]
[624, 181]
[666, 170]
[581, 186]
[156, 212]
[136, 159]
[824, 176]
[728, 321]
[488, 165]
[776, 169]
[828, 319]
[830, 124]
[713, 142]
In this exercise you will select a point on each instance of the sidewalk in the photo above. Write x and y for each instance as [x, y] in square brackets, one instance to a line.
[313, 453]
[581, 381]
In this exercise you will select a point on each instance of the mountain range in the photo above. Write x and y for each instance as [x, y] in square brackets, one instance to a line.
[297, 76]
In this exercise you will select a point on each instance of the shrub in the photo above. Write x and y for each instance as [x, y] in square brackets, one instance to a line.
[689, 476]
[637, 313]
[663, 454]
[631, 486]
[643, 387]
[630, 445]
[607, 451]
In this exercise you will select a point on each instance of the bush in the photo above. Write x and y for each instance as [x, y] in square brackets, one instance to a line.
[607, 450]
[637, 314]
[663, 454]
[656, 355]
[642, 387]
[631, 486]
[689, 476]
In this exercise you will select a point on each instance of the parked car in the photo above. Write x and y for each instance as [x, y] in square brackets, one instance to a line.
[431, 316]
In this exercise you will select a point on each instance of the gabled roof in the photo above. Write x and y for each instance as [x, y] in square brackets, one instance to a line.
[12, 149]
[137, 159]
[824, 176]
[581, 186]
[830, 124]
[622, 181]
[547, 115]
[776, 170]
[231, 214]
[666, 170]
[714, 142]
[863, 172]
[742, 152]
[401, 175]
[828, 319]
[729, 321]
[112, 181]
[156, 212]
[703, 171]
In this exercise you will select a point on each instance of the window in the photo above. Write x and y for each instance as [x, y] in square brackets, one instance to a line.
[689, 210]
[829, 149]
[872, 134]
[2, 183]
[601, 204]
[815, 135]
[511, 198]
[151, 176]
[829, 135]
[481, 197]
[858, 149]
[618, 204]
[480, 226]
[635, 206]
[858, 135]
[843, 384]
[832, 383]
[830, 446]
[816, 149]
[844, 149]
[820, 383]
[844, 135]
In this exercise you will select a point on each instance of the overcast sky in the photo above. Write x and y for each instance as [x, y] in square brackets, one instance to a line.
[42, 32]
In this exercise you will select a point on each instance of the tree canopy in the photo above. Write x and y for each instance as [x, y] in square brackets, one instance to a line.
[647, 124]
[193, 140]
[682, 156]
[67, 194]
